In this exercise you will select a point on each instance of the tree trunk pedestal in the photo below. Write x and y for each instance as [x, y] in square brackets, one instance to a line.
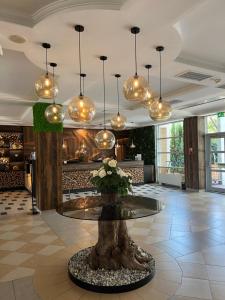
[115, 264]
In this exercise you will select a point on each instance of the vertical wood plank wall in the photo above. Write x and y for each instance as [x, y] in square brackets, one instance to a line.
[194, 152]
[48, 169]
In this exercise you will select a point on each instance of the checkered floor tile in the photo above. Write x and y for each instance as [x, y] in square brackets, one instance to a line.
[14, 202]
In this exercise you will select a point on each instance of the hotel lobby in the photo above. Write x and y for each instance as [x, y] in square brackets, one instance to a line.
[112, 150]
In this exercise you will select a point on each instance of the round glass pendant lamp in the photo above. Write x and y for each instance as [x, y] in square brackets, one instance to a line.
[81, 108]
[135, 87]
[104, 139]
[118, 121]
[149, 95]
[45, 86]
[54, 113]
[160, 110]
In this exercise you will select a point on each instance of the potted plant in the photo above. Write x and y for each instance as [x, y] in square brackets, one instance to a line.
[110, 180]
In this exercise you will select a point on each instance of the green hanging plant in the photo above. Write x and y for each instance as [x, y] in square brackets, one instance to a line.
[39, 121]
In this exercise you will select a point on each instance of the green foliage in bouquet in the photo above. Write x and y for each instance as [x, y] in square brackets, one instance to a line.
[111, 179]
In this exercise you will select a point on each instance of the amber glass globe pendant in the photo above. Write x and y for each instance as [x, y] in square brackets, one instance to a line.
[160, 110]
[45, 87]
[118, 121]
[149, 95]
[135, 87]
[81, 108]
[104, 139]
[54, 113]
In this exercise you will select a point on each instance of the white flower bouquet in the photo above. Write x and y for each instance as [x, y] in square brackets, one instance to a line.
[111, 179]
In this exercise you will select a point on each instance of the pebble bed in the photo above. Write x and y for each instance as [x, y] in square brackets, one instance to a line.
[79, 268]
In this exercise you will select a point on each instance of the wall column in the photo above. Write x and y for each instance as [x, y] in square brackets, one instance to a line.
[48, 169]
[194, 152]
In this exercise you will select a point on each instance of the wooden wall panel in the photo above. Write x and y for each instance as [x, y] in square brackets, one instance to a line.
[48, 169]
[194, 153]
[28, 140]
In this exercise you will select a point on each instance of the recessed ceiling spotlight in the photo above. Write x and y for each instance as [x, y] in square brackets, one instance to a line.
[18, 39]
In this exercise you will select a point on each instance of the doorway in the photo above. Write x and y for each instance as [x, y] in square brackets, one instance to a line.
[215, 162]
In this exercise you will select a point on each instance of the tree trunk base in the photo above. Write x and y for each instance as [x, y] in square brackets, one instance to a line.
[115, 249]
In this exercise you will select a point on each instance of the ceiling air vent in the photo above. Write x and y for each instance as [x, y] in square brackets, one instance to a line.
[194, 76]
[222, 86]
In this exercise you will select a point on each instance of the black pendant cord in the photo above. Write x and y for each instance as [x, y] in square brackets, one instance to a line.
[83, 85]
[135, 51]
[80, 62]
[103, 72]
[53, 81]
[160, 77]
[118, 95]
[46, 60]
[53, 65]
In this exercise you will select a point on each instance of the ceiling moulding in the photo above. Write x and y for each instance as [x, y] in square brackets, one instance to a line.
[61, 5]
[16, 17]
[187, 59]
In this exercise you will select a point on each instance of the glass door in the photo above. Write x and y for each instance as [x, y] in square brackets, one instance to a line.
[215, 162]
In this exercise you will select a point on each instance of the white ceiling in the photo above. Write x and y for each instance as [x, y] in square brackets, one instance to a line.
[191, 31]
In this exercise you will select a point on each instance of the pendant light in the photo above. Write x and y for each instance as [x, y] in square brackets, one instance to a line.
[54, 113]
[117, 144]
[149, 96]
[132, 146]
[160, 110]
[118, 122]
[45, 87]
[81, 108]
[135, 87]
[104, 139]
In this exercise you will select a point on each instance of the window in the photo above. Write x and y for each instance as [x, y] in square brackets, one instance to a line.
[215, 123]
[170, 148]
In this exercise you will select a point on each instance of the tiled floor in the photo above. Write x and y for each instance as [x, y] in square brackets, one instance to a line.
[14, 202]
[187, 241]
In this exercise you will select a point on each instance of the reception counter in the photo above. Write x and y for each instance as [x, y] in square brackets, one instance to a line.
[76, 176]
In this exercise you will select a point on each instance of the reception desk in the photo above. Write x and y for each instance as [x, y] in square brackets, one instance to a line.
[76, 176]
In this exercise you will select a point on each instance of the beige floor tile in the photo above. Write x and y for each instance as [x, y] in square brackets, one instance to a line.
[44, 239]
[39, 230]
[49, 250]
[5, 269]
[15, 258]
[130, 296]
[70, 294]
[10, 235]
[218, 291]
[10, 227]
[216, 273]
[31, 248]
[195, 288]
[17, 273]
[7, 291]
[194, 270]
[90, 296]
[196, 258]
[12, 245]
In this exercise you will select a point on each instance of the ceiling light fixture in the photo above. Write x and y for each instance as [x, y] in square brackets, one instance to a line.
[81, 108]
[135, 87]
[45, 87]
[132, 146]
[104, 139]
[118, 122]
[160, 110]
[54, 113]
[149, 95]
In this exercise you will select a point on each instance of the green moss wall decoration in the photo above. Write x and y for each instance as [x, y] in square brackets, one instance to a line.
[39, 121]
[144, 140]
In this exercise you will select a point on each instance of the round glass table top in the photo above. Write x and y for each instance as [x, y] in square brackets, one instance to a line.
[124, 208]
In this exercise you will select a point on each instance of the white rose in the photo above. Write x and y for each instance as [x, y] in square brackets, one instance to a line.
[102, 173]
[94, 173]
[105, 160]
[109, 172]
[130, 180]
[112, 163]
